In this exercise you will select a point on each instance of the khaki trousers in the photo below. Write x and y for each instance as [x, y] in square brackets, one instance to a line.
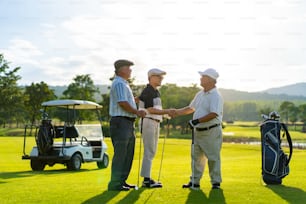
[207, 147]
[150, 134]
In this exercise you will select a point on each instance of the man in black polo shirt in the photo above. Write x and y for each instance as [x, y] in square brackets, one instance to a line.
[150, 101]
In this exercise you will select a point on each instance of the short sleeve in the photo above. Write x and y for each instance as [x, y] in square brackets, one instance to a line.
[216, 104]
[148, 98]
[121, 93]
[194, 101]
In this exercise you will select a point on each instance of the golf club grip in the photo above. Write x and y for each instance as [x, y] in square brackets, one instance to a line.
[192, 136]
[141, 125]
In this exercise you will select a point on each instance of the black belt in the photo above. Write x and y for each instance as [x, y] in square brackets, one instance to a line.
[126, 117]
[156, 120]
[207, 128]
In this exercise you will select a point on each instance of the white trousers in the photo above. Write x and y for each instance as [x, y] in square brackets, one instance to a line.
[150, 134]
[207, 147]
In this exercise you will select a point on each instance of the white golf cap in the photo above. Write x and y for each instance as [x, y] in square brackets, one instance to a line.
[156, 71]
[212, 73]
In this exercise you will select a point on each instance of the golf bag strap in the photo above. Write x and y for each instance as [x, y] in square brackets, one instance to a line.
[289, 141]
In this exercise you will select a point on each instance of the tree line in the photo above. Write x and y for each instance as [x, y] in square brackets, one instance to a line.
[21, 105]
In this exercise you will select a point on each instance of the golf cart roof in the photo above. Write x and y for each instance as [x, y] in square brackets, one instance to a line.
[72, 104]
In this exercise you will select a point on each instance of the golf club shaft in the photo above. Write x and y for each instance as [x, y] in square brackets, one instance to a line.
[163, 150]
[139, 162]
[192, 157]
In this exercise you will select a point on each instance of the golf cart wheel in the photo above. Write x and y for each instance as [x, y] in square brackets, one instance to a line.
[75, 162]
[104, 163]
[37, 165]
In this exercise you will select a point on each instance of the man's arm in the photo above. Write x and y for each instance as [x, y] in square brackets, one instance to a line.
[156, 111]
[207, 117]
[128, 108]
[203, 119]
[184, 111]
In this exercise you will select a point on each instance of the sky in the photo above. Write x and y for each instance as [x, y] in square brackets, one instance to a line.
[253, 44]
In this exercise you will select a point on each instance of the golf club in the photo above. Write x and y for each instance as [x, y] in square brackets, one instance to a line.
[139, 162]
[192, 157]
[163, 149]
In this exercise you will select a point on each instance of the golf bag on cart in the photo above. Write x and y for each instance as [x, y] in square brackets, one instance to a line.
[44, 137]
[275, 162]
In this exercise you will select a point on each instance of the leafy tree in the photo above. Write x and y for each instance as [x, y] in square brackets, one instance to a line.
[249, 110]
[285, 109]
[265, 110]
[293, 114]
[10, 93]
[34, 95]
[244, 110]
[302, 115]
[82, 88]
[105, 109]
[228, 115]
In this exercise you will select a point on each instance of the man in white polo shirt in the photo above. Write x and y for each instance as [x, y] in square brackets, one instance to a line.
[207, 109]
[150, 101]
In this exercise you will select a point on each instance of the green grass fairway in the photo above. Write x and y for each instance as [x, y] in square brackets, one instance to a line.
[240, 132]
[241, 168]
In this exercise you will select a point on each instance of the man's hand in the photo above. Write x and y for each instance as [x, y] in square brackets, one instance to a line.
[193, 123]
[172, 113]
[136, 98]
[141, 113]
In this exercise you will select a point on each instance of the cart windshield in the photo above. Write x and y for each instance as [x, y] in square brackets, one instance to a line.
[91, 132]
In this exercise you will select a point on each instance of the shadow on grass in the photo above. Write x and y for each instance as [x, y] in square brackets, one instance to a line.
[107, 196]
[102, 198]
[198, 196]
[17, 174]
[216, 196]
[132, 197]
[290, 194]
[21, 174]
[64, 171]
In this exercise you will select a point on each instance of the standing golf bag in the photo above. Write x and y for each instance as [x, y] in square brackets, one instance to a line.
[275, 162]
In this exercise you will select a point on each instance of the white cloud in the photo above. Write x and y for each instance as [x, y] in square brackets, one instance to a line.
[22, 51]
[249, 42]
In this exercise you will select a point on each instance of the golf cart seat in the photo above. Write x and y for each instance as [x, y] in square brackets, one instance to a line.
[71, 132]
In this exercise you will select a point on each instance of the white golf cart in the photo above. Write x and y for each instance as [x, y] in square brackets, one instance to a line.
[70, 144]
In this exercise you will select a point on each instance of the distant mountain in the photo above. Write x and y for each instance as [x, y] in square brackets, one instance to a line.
[234, 95]
[298, 89]
[228, 94]
[58, 90]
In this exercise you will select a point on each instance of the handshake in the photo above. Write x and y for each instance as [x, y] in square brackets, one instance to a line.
[171, 113]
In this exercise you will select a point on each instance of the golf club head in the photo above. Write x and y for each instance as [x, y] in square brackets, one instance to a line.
[274, 115]
[265, 117]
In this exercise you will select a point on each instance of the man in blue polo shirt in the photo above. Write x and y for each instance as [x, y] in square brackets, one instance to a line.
[123, 111]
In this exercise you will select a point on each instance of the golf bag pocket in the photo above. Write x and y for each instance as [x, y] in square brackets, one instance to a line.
[275, 163]
[283, 167]
[270, 161]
